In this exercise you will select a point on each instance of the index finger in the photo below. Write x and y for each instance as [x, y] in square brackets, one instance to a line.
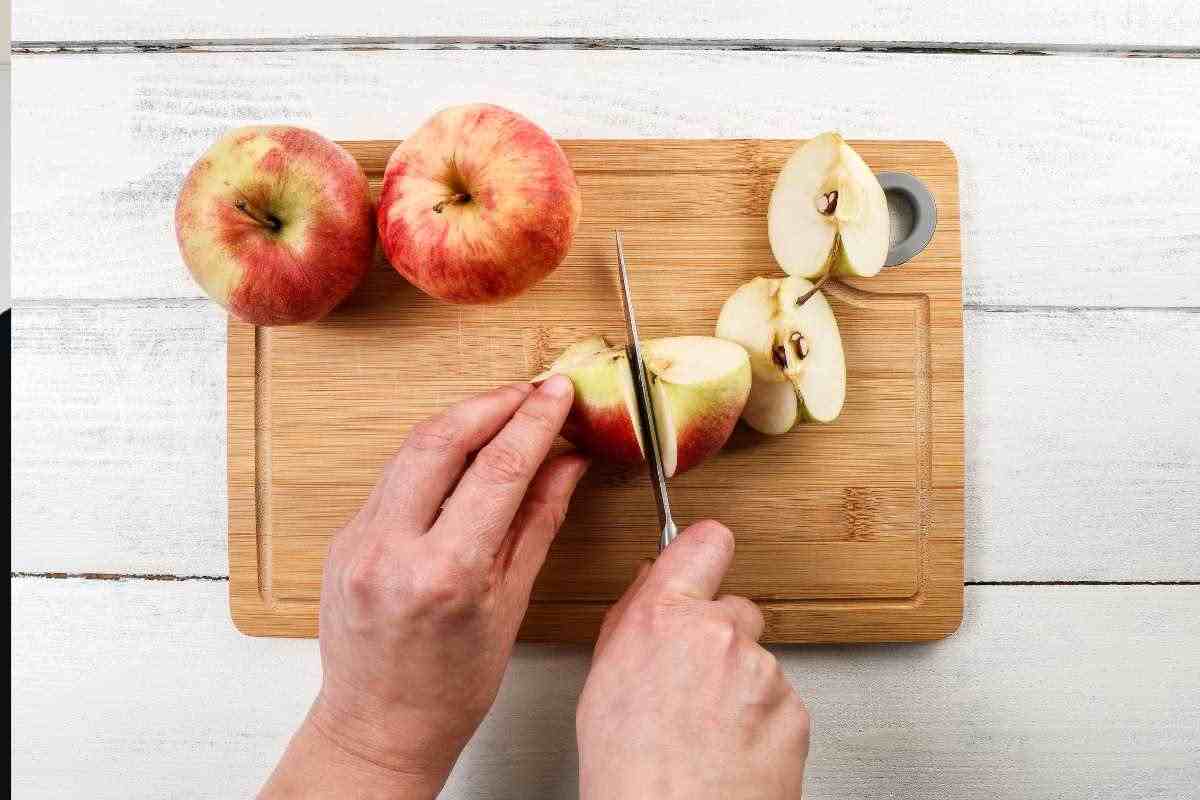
[482, 507]
[695, 563]
[418, 478]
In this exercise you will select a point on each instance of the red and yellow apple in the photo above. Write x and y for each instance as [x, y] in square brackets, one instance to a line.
[275, 223]
[698, 387]
[477, 205]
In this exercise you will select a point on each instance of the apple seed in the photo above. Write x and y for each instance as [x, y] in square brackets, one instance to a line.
[799, 343]
[827, 203]
[779, 356]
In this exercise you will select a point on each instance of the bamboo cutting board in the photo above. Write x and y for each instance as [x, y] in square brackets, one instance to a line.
[848, 532]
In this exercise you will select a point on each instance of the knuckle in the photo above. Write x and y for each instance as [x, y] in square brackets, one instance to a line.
[436, 435]
[664, 616]
[547, 515]
[721, 632]
[746, 609]
[362, 577]
[500, 462]
[451, 584]
[439, 587]
[536, 417]
[764, 665]
[801, 723]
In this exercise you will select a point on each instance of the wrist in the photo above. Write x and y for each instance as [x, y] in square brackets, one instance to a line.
[328, 757]
[363, 741]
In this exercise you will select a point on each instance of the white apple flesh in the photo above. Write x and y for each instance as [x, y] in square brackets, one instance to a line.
[828, 213]
[772, 408]
[794, 347]
[698, 388]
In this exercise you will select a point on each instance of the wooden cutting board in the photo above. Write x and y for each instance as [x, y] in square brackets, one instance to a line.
[848, 532]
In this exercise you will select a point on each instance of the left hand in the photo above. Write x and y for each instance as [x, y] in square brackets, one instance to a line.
[424, 591]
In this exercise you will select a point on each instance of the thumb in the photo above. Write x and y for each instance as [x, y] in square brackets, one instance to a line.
[695, 563]
[617, 610]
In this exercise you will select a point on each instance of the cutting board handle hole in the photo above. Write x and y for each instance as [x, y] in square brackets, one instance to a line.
[913, 215]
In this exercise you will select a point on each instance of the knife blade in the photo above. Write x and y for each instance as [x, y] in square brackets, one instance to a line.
[658, 482]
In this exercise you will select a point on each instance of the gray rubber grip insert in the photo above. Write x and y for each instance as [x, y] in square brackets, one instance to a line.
[924, 215]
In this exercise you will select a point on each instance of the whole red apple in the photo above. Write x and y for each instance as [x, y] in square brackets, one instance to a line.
[275, 224]
[477, 205]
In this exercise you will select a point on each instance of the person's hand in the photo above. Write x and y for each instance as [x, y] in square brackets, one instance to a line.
[681, 701]
[423, 593]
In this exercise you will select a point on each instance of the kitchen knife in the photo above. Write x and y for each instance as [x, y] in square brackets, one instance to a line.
[658, 482]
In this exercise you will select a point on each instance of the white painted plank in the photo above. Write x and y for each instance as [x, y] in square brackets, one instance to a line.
[1078, 179]
[143, 689]
[119, 440]
[1140, 22]
[1082, 448]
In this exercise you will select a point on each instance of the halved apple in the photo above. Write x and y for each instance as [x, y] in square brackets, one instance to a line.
[603, 418]
[828, 212]
[791, 336]
[698, 387]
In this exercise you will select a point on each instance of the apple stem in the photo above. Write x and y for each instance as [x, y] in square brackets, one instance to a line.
[266, 220]
[816, 288]
[458, 197]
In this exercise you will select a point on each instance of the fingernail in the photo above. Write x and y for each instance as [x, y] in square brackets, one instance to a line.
[524, 388]
[558, 386]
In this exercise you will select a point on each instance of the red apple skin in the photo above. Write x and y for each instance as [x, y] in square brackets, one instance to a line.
[605, 433]
[515, 228]
[276, 224]
[704, 436]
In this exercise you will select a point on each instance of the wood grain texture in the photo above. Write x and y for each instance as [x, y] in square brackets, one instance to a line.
[1057, 155]
[851, 531]
[1130, 22]
[1068, 477]
[142, 689]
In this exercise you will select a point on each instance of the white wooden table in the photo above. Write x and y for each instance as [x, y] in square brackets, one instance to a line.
[1076, 673]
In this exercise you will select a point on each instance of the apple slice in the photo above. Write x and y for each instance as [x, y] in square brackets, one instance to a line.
[698, 387]
[790, 343]
[828, 212]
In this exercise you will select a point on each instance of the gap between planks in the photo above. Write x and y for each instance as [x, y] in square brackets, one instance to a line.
[985, 308]
[269, 44]
[113, 576]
